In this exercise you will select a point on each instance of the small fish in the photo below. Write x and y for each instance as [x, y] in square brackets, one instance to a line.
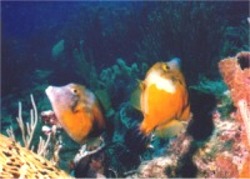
[164, 99]
[77, 110]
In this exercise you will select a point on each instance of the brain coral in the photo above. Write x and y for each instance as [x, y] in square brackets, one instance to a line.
[19, 162]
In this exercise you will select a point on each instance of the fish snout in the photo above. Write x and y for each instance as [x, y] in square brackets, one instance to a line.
[52, 93]
[52, 90]
[49, 90]
[175, 63]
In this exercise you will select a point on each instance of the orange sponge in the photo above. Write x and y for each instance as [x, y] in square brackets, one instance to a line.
[236, 74]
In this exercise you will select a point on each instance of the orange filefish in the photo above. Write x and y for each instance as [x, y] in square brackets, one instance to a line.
[164, 99]
[77, 110]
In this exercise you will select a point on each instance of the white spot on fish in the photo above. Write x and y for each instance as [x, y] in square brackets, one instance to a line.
[160, 82]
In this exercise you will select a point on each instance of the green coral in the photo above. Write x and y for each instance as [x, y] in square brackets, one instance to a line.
[119, 81]
[122, 71]
[210, 87]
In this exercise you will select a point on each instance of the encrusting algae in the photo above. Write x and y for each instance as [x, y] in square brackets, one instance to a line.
[19, 162]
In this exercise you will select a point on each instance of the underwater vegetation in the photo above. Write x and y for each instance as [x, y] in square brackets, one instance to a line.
[114, 57]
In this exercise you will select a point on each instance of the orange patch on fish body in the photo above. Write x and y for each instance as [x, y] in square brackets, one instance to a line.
[77, 110]
[164, 97]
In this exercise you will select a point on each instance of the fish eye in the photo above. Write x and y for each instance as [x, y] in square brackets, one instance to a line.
[165, 67]
[74, 91]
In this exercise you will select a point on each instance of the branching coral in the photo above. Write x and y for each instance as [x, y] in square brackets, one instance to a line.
[28, 130]
[121, 71]
[120, 80]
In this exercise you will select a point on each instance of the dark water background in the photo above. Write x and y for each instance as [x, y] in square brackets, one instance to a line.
[197, 32]
[97, 35]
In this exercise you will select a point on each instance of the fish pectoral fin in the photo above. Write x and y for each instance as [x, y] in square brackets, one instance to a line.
[136, 95]
[170, 129]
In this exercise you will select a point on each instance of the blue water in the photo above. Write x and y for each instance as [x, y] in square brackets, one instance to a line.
[112, 30]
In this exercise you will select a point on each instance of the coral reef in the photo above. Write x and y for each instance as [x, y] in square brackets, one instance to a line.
[236, 73]
[123, 117]
[217, 147]
[219, 89]
[107, 47]
[223, 155]
[27, 129]
[120, 80]
[226, 152]
[19, 162]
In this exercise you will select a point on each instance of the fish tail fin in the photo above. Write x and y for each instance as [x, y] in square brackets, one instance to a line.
[186, 115]
[171, 129]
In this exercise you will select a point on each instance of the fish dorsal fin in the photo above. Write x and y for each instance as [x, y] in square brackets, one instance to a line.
[104, 99]
[136, 95]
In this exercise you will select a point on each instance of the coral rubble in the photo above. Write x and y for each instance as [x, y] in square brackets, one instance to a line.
[19, 162]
